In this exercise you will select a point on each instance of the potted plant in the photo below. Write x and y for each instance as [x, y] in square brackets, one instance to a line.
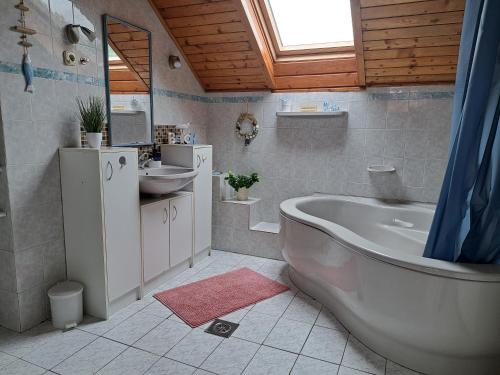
[241, 183]
[92, 117]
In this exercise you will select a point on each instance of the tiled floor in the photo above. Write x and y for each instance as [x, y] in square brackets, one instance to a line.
[287, 334]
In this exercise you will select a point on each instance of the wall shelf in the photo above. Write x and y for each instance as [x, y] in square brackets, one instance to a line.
[311, 114]
[126, 112]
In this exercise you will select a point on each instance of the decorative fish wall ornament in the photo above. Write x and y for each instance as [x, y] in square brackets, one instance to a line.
[28, 72]
[21, 28]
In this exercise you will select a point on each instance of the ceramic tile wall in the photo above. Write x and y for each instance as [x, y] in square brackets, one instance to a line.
[34, 126]
[407, 127]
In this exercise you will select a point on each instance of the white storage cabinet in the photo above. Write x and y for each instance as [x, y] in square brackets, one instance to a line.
[167, 233]
[198, 157]
[100, 192]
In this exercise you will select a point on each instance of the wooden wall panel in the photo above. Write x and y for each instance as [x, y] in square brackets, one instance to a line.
[413, 41]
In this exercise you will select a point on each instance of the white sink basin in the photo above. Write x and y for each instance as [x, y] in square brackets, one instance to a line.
[165, 179]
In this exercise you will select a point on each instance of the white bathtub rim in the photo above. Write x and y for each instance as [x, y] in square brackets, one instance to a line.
[463, 271]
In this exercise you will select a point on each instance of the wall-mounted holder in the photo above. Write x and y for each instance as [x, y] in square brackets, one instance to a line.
[381, 169]
[69, 58]
[73, 33]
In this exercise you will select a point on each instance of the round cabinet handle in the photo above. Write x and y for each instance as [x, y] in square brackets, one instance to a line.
[109, 167]
[199, 161]
[123, 161]
[204, 158]
[175, 214]
[165, 215]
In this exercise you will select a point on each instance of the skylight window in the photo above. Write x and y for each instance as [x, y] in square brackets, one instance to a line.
[309, 24]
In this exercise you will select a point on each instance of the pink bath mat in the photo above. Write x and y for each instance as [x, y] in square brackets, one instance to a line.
[205, 300]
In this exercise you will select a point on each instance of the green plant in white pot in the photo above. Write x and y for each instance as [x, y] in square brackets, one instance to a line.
[241, 183]
[92, 117]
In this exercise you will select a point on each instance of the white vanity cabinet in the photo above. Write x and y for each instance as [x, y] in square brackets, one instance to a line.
[167, 233]
[100, 192]
[198, 157]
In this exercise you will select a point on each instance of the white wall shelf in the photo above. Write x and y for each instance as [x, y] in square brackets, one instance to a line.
[311, 114]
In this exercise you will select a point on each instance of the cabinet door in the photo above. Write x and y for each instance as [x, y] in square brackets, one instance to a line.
[181, 229]
[202, 188]
[121, 222]
[155, 239]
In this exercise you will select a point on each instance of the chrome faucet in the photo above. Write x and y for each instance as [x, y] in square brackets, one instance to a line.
[144, 159]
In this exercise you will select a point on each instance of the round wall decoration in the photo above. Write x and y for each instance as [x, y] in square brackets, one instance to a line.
[247, 127]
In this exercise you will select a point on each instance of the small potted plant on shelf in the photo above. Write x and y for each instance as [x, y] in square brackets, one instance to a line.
[92, 117]
[241, 183]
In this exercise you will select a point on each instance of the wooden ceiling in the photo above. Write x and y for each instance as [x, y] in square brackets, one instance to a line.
[396, 42]
[411, 41]
[216, 41]
[130, 73]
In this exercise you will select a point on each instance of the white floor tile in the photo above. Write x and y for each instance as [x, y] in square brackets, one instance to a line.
[194, 348]
[276, 305]
[202, 372]
[91, 358]
[20, 367]
[273, 268]
[328, 320]
[255, 327]
[20, 345]
[350, 371]
[167, 366]
[270, 361]
[395, 369]
[231, 357]
[288, 335]
[133, 328]
[303, 308]
[131, 362]
[99, 326]
[359, 357]
[325, 344]
[6, 359]
[57, 348]
[158, 309]
[163, 337]
[311, 366]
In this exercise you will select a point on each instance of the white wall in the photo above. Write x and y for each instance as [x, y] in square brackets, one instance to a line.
[407, 127]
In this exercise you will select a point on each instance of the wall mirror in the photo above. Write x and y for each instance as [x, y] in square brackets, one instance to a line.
[128, 73]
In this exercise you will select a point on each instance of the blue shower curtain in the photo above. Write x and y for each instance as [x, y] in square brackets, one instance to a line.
[466, 226]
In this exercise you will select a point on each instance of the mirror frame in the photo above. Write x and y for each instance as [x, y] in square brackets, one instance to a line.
[105, 19]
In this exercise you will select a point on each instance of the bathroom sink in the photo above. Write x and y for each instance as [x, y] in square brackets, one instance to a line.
[164, 180]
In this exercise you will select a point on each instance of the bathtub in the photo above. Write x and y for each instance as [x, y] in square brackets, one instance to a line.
[362, 258]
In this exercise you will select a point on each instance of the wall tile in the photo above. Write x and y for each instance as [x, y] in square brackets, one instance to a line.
[29, 266]
[414, 172]
[32, 307]
[37, 224]
[9, 311]
[7, 271]
[54, 262]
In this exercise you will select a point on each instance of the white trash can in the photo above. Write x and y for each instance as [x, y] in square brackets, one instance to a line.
[66, 304]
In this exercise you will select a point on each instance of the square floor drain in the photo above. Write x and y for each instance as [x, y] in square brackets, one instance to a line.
[222, 328]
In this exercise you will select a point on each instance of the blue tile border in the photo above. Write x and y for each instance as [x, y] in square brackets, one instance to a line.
[13, 68]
